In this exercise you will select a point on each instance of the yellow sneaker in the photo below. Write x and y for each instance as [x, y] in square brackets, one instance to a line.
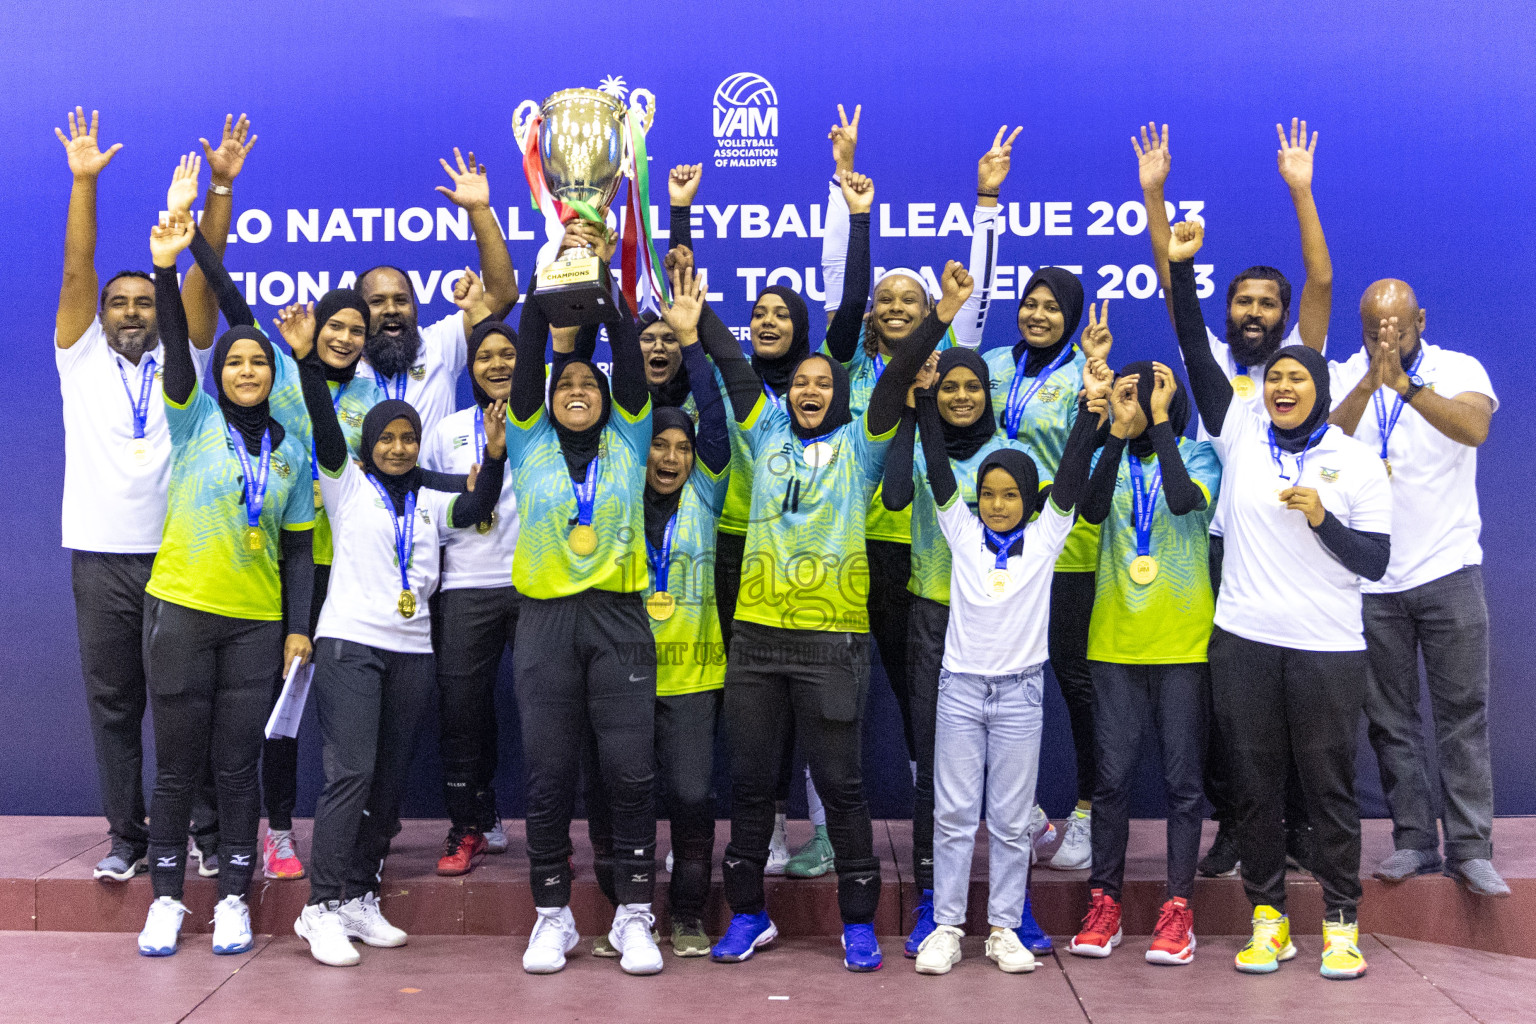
[1341, 951]
[1270, 944]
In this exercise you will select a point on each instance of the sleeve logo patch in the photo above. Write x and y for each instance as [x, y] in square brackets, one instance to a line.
[418, 372]
[1330, 476]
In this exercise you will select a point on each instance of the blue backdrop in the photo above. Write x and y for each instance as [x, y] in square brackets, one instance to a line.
[1423, 172]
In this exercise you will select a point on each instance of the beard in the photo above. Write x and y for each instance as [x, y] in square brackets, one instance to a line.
[392, 355]
[1248, 353]
[131, 347]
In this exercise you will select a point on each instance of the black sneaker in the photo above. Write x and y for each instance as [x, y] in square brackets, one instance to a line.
[1221, 860]
[121, 864]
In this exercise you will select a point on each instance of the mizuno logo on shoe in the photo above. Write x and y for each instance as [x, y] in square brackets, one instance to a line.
[552, 880]
[733, 863]
[165, 862]
[865, 880]
[639, 878]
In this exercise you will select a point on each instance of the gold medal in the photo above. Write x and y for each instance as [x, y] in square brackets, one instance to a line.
[1244, 386]
[660, 606]
[407, 604]
[485, 527]
[817, 454]
[1143, 570]
[1388, 464]
[254, 540]
[138, 451]
[997, 582]
[583, 540]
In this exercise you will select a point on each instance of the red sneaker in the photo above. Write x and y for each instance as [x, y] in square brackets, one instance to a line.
[1173, 940]
[277, 857]
[464, 851]
[1100, 933]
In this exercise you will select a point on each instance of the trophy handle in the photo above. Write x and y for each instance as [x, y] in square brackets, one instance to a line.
[522, 117]
[645, 111]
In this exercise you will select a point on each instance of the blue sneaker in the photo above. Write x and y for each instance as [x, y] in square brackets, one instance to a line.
[861, 950]
[922, 926]
[1029, 933]
[747, 933]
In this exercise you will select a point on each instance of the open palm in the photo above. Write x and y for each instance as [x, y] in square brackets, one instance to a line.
[80, 146]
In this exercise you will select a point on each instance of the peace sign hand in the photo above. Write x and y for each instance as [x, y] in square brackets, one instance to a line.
[1295, 156]
[183, 190]
[86, 159]
[1153, 161]
[1096, 339]
[225, 162]
[845, 137]
[992, 168]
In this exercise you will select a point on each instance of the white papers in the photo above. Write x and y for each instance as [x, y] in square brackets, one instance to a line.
[284, 720]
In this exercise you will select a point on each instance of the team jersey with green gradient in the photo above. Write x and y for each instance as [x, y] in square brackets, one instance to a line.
[881, 523]
[738, 489]
[358, 396]
[804, 565]
[690, 648]
[1167, 621]
[930, 551]
[544, 566]
[203, 562]
[1045, 425]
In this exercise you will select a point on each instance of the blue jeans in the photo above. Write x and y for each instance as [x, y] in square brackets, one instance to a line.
[987, 741]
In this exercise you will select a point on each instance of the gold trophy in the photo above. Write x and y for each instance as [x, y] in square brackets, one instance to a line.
[576, 147]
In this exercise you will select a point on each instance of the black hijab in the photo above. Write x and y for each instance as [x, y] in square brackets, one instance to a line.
[837, 413]
[331, 303]
[1022, 468]
[778, 371]
[1068, 291]
[659, 508]
[672, 392]
[484, 329]
[379, 417]
[1295, 439]
[250, 420]
[580, 446]
[1178, 408]
[963, 442]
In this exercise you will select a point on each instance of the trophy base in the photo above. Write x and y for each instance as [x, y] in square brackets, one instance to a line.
[577, 293]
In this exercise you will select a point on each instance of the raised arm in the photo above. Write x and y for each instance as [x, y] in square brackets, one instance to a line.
[1153, 161]
[1295, 162]
[528, 373]
[712, 444]
[472, 192]
[885, 402]
[77, 295]
[1182, 494]
[742, 384]
[231, 303]
[1072, 473]
[930, 427]
[896, 487]
[843, 332]
[1207, 383]
[224, 165]
[991, 171]
[479, 502]
[682, 186]
[1100, 497]
[297, 330]
[834, 236]
[166, 241]
[630, 392]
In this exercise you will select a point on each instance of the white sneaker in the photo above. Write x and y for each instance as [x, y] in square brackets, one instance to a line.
[631, 936]
[496, 838]
[1076, 850]
[940, 950]
[1041, 832]
[554, 935]
[364, 921]
[778, 848]
[1005, 950]
[320, 925]
[231, 926]
[162, 927]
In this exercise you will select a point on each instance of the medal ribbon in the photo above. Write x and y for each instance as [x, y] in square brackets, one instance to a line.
[1301, 456]
[1002, 543]
[479, 434]
[806, 442]
[141, 407]
[1143, 504]
[385, 382]
[661, 558]
[405, 531]
[1013, 411]
[1385, 425]
[586, 494]
[776, 399]
[255, 483]
[314, 460]
[879, 365]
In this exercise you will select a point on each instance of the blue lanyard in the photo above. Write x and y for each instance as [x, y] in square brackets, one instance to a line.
[586, 494]
[479, 435]
[255, 483]
[385, 383]
[806, 442]
[661, 558]
[879, 365]
[314, 460]
[1301, 456]
[141, 407]
[1143, 504]
[776, 399]
[1385, 425]
[405, 532]
[1002, 544]
[1013, 411]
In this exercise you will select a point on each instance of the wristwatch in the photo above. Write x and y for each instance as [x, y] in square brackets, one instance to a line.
[1415, 385]
[221, 190]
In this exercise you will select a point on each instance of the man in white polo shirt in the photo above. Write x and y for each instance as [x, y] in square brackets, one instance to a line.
[117, 460]
[422, 366]
[1425, 410]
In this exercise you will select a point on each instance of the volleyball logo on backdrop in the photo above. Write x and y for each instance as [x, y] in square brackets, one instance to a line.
[746, 122]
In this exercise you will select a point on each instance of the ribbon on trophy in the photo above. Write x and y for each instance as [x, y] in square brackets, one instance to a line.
[642, 274]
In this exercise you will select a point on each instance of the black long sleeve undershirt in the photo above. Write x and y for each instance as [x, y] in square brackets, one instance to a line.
[680, 232]
[627, 382]
[298, 575]
[712, 444]
[890, 394]
[528, 373]
[1181, 494]
[231, 303]
[1364, 554]
[1072, 474]
[843, 332]
[742, 383]
[180, 372]
[941, 475]
[476, 506]
[1207, 383]
[896, 486]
